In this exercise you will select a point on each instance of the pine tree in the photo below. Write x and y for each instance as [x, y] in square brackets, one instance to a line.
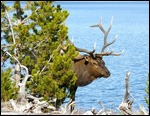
[8, 90]
[35, 39]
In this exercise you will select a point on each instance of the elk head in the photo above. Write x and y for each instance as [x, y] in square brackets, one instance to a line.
[91, 66]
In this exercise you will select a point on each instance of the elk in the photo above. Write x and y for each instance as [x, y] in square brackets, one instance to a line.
[91, 66]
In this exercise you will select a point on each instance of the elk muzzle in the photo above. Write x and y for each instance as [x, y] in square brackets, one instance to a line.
[107, 74]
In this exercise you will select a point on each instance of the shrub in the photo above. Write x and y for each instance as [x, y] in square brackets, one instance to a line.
[8, 90]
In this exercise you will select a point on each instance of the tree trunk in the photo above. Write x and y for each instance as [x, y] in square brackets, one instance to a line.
[17, 74]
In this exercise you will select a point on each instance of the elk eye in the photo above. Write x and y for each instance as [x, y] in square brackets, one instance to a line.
[94, 63]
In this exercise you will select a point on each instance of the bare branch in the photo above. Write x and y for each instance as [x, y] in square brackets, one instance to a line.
[102, 105]
[27, 74]
[105, 112]
[11, 26]
[41, 42]
[13, 104]
[22, 93]
[126, 105]
[143, 109]
[45, 65]
[5, 46]
[13, 57]
[33, 54]
[67, 109]
[127, 87]
[21, 96]
[12, 31]
[88, 113]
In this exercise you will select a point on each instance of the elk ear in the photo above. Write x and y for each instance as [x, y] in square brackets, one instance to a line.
[101, 57]
[77, 58]
[86, 60]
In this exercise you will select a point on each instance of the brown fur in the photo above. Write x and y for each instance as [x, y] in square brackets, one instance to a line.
[88, 69]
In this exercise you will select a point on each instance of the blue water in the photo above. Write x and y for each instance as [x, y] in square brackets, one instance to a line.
[131, 24]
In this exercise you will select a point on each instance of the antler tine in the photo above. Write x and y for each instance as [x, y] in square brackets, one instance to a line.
[105, 39]
[84, 50]
[109, 53]
[107, 44]
[105, 33]
[117, 54]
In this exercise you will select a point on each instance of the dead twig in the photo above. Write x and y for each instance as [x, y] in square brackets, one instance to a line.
[126, 105]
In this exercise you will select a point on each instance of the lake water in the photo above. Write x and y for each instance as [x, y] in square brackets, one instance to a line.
[131, 24]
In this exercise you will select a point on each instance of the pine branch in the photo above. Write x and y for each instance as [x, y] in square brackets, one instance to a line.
[24, 21]
[48, 61]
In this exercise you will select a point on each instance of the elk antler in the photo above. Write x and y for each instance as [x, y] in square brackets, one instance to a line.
[84, 50]
[105, 40]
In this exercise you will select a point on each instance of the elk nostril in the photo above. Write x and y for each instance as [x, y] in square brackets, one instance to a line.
[108, 74]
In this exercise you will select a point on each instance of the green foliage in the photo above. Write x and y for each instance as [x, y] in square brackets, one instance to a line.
[147, 92]
[8, 90]
[38, 39]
